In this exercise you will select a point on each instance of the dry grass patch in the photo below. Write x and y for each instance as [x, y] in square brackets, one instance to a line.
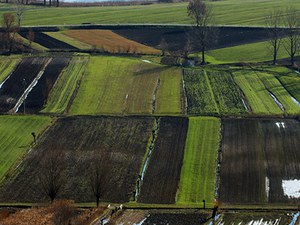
[109, 41]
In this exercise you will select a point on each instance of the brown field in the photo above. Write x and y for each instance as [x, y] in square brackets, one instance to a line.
[163, 173]
[257, 156]
[109, 41]
[122, 141]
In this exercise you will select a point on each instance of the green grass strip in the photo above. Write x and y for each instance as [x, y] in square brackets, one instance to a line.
[256, 94]
[16, 138]
[65, 86]
[198, 173]
[7, 65]
[292, 84]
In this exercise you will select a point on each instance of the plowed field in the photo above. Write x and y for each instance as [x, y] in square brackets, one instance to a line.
[163, 173]
[122, 141]
[258, 157]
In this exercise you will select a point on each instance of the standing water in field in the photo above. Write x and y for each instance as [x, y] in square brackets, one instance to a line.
[293, 99]
[291, 188]
[1, 84]
[277, 101]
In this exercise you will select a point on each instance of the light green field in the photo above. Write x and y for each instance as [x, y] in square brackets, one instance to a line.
[69, 40]
[7, 65]
[254, 52]
[256, 94]
[119, 85]
[229, 12]
[34, 45]
[292, 84]
[198, 173]
[273, 85]
[16, 138]
[63, 89]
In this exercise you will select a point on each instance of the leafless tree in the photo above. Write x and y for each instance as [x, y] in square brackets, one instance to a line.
[30, 37]
[98, 174]
[19, 9]
[10, 30]
[50, 174]
[164, 47]
[292, 23]
[273, 22]
[202, 15]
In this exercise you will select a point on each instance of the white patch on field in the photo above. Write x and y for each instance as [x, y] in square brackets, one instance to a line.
[291, 188]
[295, 100]
[262, 222]
[280, 124]
[146, 61]
[140, 223]
[267, 187]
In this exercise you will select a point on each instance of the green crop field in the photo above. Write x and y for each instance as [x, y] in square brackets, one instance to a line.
[198, 173]
[254, 52]
[16, 138]
[292, 84]
[117, 85]
[274, 86]
[69, 40]
[230, 12]
[256, 94]
[7, 64]
[64, 88]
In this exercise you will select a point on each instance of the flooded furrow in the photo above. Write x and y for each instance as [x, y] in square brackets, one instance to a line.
[149, 153]
[1, 84]
[154, 96]
[276, 100]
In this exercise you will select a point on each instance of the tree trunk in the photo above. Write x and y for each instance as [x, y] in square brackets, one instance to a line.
[57, 3]
[49, 2]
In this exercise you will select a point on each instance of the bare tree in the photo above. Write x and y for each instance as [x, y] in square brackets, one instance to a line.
[273, 22]
[201, 13]
[292, 23]
[19, 9]
[163, 46]
[50, 174]
[30, 37]
[98, 175]
[10, 30]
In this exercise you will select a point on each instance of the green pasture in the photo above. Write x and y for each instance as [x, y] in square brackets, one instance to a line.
[7, 64]
[123, 85]
[198, 173]
[256, 93]
[274, 86]
[16, 138]
[229, 12]
[69, 40]
[254, 52]
[63, 90]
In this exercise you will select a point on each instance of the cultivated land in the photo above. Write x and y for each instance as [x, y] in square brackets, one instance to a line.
[16, 139]
[198, 173]
[7, 65]
[257, 155]
[60, 96]
[104, 40]
[230, 12]
[122, 141]
[163, 173]
[117, 85]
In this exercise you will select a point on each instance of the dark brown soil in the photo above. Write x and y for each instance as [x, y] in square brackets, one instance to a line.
[122, 141]
[39, 94]
[14, 87]
[253, 150]
[163, 173]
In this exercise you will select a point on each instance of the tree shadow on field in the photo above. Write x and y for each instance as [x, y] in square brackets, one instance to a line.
[147, 71]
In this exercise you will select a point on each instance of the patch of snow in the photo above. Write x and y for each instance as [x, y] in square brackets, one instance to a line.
[294, 100]
[291, 188]
[280, 124]
[1, 84]
[140, 223]
[267, 187]
[146, 61]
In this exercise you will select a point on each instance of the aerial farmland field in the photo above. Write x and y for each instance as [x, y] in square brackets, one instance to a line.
[120, 85]
[260, 161]
[122, 141]
[7, 65]
[16, 139]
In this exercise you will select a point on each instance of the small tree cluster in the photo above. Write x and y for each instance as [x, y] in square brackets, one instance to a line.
[10, 31]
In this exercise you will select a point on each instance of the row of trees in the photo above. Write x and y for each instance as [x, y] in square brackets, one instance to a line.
[287, 36]
[26, 2]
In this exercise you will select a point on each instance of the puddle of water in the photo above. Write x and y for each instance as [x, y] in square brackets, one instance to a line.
[277, 101]
[293, 99]
[291, 188]
[295, 218]
[280, 124]
[146, 61]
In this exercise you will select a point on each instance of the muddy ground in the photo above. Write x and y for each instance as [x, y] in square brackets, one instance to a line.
[257, 155]
[19, 80]
[163, 173]
[37, 98]
[121, 141]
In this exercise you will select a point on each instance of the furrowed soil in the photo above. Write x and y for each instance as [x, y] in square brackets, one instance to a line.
[257, 156]
[37, 98]
[14, 87]
[163, 173]
[121, 141]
